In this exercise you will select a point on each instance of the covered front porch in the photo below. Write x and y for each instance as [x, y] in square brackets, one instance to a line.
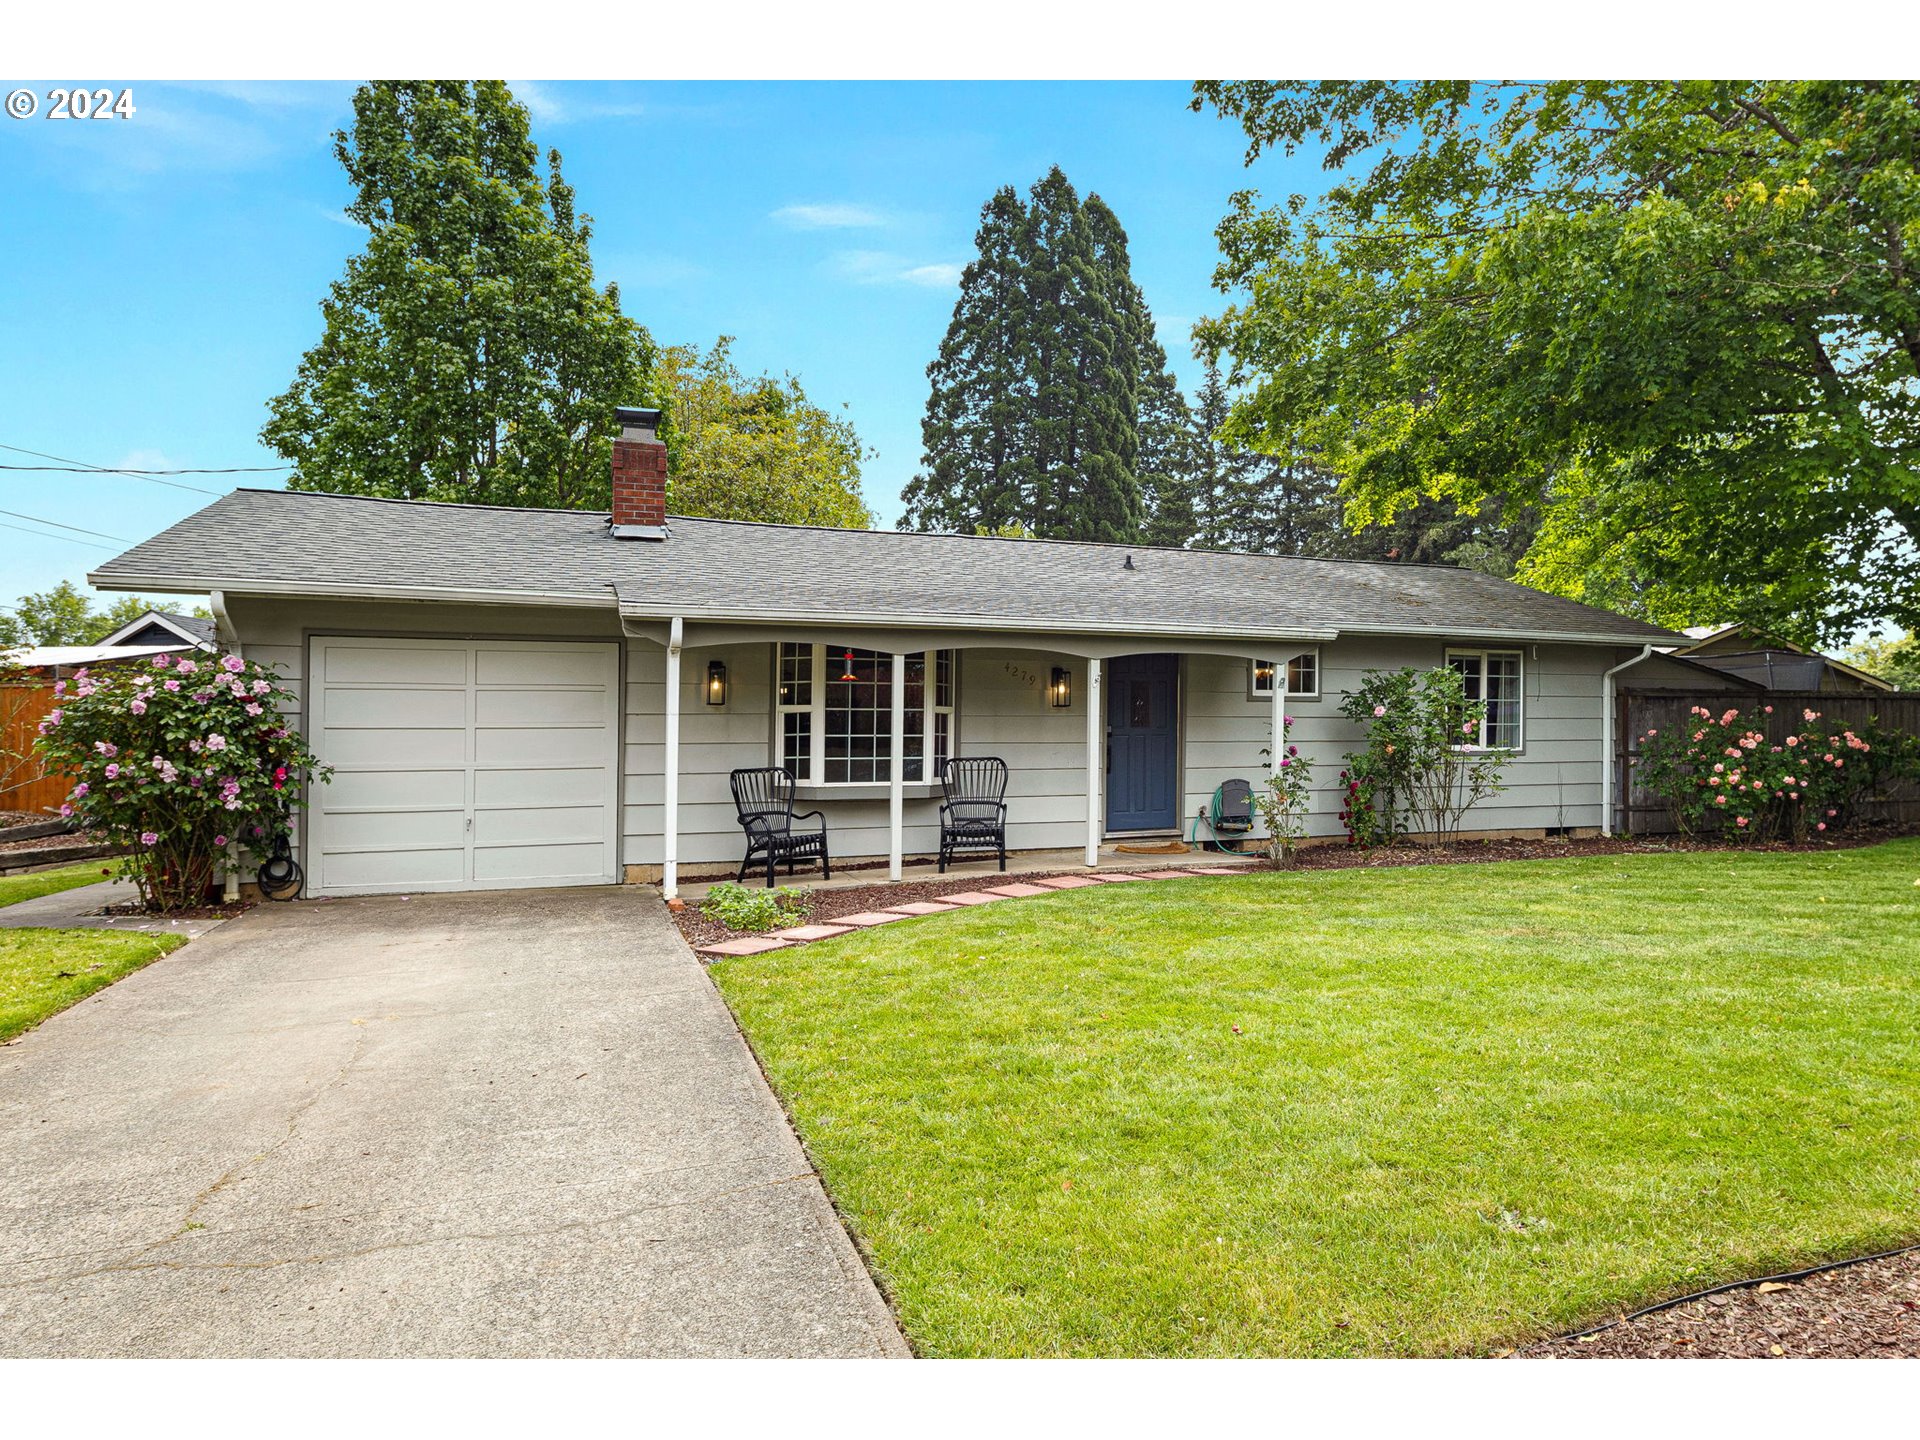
[1108, 738]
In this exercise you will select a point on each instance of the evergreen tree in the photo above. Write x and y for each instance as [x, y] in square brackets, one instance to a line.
[1034, 413]
[978, 422]
[1222, 474]
[1292, 505]
[467, 353]
[1170, 455]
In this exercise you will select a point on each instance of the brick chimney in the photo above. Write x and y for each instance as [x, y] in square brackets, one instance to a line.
[639, 477]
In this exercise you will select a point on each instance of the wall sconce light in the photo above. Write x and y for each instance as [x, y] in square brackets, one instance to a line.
[1060, 689]
[716, 682]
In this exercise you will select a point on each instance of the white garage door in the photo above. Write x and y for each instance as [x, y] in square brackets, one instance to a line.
[463, 765]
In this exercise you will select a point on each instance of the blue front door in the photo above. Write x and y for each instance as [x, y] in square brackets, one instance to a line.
[1143, 734]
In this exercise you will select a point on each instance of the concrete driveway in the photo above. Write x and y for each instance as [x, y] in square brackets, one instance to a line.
[505, 1124]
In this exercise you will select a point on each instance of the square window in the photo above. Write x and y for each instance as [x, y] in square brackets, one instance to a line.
[1303, 677]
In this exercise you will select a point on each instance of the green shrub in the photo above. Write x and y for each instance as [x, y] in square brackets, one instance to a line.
[175, 760]
[1288, 794]
[739, 908]
[1722, 774]
[1422, 769]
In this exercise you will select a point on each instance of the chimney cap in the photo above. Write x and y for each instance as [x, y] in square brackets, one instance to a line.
[647, 419]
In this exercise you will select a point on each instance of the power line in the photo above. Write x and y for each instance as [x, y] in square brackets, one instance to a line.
[144, 474]
[62, 525]
[108, 469]
[70, 539]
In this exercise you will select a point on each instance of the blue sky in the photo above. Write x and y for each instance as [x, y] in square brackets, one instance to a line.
[163, 273]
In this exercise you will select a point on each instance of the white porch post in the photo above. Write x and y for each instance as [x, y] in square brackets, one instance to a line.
[1279, 714]
[897, 771]
[1095, 712]
[670, 871]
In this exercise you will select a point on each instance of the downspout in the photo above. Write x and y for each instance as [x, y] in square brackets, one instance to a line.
[1607, 737]
[223, 623]
[670, 869]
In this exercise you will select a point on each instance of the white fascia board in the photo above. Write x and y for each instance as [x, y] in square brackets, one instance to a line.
[443, 594]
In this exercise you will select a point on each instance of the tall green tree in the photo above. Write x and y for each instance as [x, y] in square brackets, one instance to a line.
[467, 352]
[743, 447]
[1034, 416]
[1680, 318]
[1290, 504]
[1895, 658]
[976, 436]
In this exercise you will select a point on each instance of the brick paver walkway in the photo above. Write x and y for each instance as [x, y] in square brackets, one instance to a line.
[841, 924]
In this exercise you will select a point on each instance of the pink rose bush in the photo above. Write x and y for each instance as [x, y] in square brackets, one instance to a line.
[1728, 774]
[172, 772]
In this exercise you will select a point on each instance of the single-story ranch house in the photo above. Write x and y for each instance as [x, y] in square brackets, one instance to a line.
[539, 697]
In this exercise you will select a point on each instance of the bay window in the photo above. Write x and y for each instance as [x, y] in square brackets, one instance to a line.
[834, 714]
[1493, 678]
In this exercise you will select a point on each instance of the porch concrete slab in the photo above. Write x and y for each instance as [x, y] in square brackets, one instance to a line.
[869, 917]
[802, 934]
[746, 945]
[972, 897]
[923, 907]
[519, 1124]
[1067, 882]
[1019, 888]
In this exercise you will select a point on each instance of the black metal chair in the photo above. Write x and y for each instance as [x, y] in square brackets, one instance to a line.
[763, 802]
[974, 814]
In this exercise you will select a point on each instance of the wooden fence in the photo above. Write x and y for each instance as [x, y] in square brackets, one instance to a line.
[1640, 812]
[24, 783]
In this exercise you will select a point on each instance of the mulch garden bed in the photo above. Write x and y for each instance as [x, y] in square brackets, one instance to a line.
[1470, 852]
[133, 909]
[1869, 1310]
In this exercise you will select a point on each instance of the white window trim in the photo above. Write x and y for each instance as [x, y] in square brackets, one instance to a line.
[1481, 652]
[1254, 692]
[817, 709]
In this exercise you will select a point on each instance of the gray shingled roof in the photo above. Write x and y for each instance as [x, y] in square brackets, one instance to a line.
[276, 542]
[200, 628]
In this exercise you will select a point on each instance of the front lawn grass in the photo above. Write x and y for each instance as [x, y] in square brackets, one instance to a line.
[1465, 1105]
[42, 972]
[35, 883]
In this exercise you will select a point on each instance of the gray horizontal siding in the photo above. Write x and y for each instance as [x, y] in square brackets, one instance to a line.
[1001, 710]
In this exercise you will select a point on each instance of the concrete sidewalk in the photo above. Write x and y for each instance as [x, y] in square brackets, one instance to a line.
[509, 1124]
[77, 909]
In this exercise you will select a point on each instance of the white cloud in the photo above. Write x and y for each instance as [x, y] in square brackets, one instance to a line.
[880, 267]
[552, 107]
[829, 217]
[934, 276]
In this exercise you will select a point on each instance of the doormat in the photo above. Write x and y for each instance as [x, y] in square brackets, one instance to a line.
[1164, 847]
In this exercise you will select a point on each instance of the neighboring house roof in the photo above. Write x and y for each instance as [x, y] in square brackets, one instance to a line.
[163, 627]
[279, 542]
[35, 657]
[1768, 660]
